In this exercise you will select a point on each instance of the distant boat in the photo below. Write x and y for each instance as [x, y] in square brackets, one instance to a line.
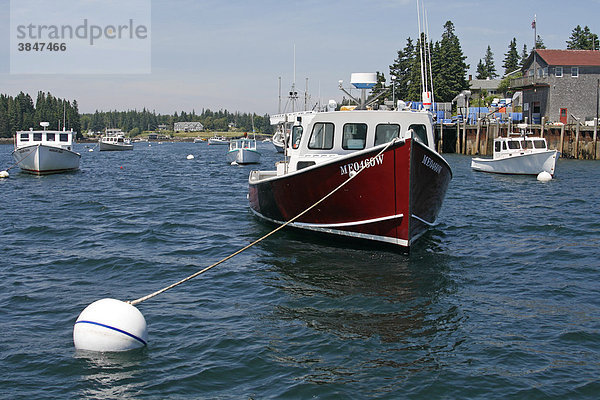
[114, 140]
[278, 141]
[519, 155]
[45, 152]
[220, 140]
[198, 140]
[243, 151]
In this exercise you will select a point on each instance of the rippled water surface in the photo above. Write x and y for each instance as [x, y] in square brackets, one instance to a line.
[499, 300]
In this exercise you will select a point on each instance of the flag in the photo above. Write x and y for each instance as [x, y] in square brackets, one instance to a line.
[533, 24]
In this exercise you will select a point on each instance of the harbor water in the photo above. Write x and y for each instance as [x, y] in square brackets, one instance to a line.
[498, 300]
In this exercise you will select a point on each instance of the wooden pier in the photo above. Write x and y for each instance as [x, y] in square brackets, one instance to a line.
[572, 141]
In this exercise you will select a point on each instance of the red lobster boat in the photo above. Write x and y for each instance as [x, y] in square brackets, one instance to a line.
[398, 182]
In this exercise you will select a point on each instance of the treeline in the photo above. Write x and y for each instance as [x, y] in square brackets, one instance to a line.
[448, 68]
[21, 113]
[135, 122]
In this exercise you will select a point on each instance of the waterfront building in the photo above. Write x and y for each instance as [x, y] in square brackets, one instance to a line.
[560, 85]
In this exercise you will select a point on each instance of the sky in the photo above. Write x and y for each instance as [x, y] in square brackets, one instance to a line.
[230, 54]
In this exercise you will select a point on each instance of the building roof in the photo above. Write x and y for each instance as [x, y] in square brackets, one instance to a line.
[485, 84]
[570, 57]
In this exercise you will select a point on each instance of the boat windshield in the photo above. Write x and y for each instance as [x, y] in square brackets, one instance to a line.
[539, 144]
[513, 145]
[296, 135]
[527, 144]
[386, 132]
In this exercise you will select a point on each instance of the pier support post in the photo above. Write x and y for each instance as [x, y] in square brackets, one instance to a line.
[595, 154]
[457, 137]
[464, 137]
[477, 147]
[577, 140]
[543, 121]
[562, 140]
[441, 142]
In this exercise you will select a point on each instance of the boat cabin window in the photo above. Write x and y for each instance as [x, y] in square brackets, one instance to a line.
[50, 137]
[513, 145]
[37, 137]
[497, 145]
[24, 137]
[539, 144]
[386, 132]
[527, 144]
[64, 137]
[322, 136]
[354, 136]
[503, 145]
[296, 135]
[420, 133]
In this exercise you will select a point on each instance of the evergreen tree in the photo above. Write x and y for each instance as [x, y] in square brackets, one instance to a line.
[400, 70]
[582, 39]
[451, 78]
[539, 43]
[489, 64]
[481, 70]
[524, 55]
[511, 58]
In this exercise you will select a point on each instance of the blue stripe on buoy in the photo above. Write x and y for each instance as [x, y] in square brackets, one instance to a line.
[114, 329]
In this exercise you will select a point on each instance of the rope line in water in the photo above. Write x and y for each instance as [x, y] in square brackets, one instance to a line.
[352, 176]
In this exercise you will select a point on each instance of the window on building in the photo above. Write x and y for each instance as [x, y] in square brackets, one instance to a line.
[574, 72]
[354, 136]
[545, 72]
[530, 72]
[322, 136]
[386, 132]
[558, 72]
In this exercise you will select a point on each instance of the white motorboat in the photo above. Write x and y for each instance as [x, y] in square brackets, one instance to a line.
[519, 155]
[114, 140]
[45, 152]
[198, 140]
[243, 151]
[278, 141]
[221, 140]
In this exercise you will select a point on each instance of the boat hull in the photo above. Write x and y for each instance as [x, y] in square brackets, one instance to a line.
[243, 156]
[393, 200]
[526, 164]
[42, 160]
[114, 147]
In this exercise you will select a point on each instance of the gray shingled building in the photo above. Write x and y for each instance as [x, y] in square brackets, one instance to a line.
[560, 85]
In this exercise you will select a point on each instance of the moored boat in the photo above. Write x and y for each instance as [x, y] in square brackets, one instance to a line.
[114, 140]
[243, 151]
[518, 154]
[394, 180]
[218, 140]
[45, 152]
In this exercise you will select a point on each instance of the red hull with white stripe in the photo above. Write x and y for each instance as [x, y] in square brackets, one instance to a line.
[392, 200]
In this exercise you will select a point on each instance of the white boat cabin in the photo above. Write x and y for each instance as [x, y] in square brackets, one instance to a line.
[60, 139]
[243, 143]
[516, 146]
[318, 137]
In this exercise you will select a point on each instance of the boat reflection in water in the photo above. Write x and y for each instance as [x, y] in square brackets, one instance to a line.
[342, 298]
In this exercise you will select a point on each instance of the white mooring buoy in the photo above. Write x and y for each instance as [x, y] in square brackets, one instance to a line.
[190, 157]
[4, 174]
[110, 325]
[234, 163]
[544, 176]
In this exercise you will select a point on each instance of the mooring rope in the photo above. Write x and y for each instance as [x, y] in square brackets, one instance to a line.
[352, 176]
